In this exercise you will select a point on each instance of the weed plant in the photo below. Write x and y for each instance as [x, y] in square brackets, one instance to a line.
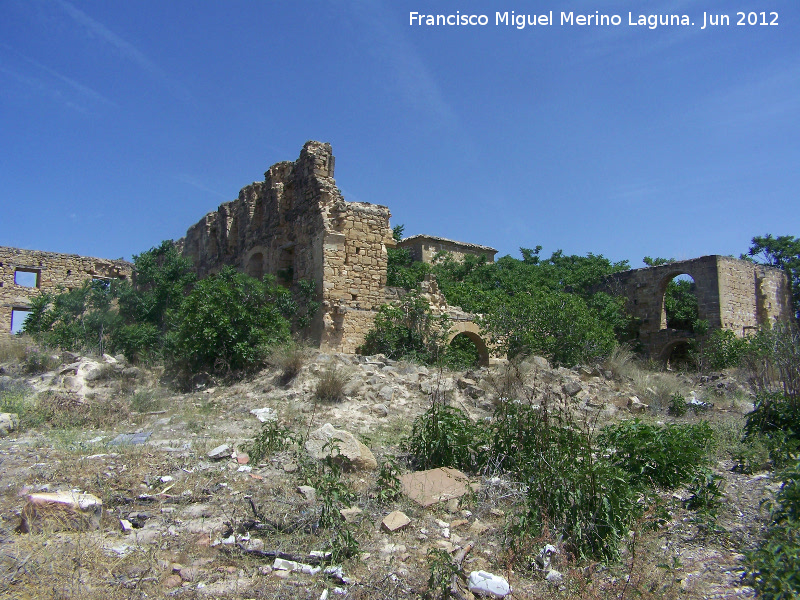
[273, 437]
[662, 455]
[774, 567]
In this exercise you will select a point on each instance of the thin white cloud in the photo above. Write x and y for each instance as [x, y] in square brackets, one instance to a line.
[197, 184]
[74, 86]
[413, 78]
[126, 49]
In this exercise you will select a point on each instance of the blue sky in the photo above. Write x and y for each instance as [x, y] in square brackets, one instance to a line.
[123, 123]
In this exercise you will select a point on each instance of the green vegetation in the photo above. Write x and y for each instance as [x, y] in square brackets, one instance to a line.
[583, 486]
[774, 567]
[228, 322]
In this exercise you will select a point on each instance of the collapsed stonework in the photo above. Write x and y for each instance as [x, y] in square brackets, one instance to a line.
[26, 273]
[296, 225]
[732, 294]
[424, 248]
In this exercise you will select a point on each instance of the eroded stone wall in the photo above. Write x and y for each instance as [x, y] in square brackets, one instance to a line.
[731, 294]
[296, 225]
[26, 273]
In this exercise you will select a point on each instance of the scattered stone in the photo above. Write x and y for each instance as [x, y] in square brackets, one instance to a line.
[452, 505]
[264, 414]
[350, 514]
[61, 511]
[125, 525]
[242, 458]
[308, 493]
[479, 527]
[172, 582]
[220, 452]
[342, 445]
[571, 387]
[636, 406]
[386, 393]
[133, 439]
[395, 521]
[435, 485]
[483, 583]
[8, 423]
[380, 410]
[554, 576]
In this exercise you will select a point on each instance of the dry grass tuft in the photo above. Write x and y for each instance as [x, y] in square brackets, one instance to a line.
[331, 384]
[290, 359]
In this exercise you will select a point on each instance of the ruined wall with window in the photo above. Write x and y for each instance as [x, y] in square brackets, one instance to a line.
[732, 294]
[26, 273]
[296, 225]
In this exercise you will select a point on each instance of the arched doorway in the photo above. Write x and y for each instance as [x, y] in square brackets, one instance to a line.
[469, 333]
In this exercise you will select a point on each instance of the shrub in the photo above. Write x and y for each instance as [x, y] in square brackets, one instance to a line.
[664, 455]
[776, 417]
[289, 358]
[330, 385]
[273, 437]
[723, 349]
[408, 330]
[774, 567]
[445, 436]
[229, 321]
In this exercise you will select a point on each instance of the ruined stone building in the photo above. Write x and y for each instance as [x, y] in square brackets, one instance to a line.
[732, 294]
[25, 273]
[296, 225]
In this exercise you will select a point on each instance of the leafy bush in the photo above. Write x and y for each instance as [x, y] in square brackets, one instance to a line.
[408, 330]
[663, 455]
[273, 437]
[776, 419]
[724, 350]
[774, 567]
[444, 436]
[229, 321]
[677, 406]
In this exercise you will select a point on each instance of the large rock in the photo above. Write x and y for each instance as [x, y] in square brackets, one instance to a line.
[61, 511]
[435, 485]
[342, 445]
[8, 423]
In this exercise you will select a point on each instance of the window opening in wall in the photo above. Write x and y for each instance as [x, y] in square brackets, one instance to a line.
[27, 277]
[18, 316]
[680, 303]
[255, 266]
[103, 283]
[286, 267]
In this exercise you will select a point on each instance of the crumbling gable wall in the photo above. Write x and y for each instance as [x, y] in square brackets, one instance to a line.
[296, 225]
[731, 294]
[26, 273]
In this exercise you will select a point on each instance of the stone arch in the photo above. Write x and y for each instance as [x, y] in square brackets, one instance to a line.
[472, 331]
[670, 348]
[661, 311]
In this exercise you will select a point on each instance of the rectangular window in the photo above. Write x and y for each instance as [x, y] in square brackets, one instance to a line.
[26, 277]
[18, 316]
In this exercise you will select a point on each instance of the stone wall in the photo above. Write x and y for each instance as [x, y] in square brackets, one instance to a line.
[296, 225]
[425, 247]
[731, 294]
[26, 273]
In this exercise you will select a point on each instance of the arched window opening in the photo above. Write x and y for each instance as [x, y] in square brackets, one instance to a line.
[680, 304]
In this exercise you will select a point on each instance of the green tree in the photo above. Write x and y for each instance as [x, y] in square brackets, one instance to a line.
[408, 330]
[229, 321]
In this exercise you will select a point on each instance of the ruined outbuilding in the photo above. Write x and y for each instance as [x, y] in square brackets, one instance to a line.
[732, 294]
[26, 273]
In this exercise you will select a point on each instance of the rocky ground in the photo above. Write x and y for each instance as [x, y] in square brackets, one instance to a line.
[186, 513]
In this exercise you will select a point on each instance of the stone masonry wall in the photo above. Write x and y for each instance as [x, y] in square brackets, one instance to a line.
[731, 294]
[47, 272]
[425, 247]
[296, 225]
